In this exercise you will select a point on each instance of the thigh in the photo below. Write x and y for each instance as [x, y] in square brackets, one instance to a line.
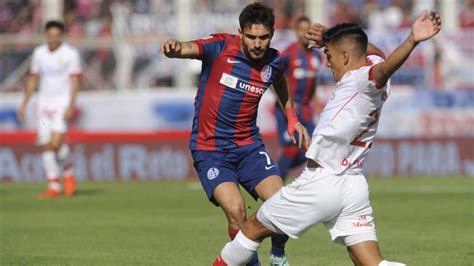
[213, 170]
[268, 186]
[255, 166]
[57, 139]
[44, 128]
[356, 216]
[59, 124]
[312, 198]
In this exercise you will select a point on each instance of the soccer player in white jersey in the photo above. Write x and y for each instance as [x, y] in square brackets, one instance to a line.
[56, 67]
[332, 190]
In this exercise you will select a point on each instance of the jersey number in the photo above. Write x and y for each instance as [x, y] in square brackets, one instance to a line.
[357, 142]
[269, 161]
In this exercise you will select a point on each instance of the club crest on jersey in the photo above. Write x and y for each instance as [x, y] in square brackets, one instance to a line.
[212, 173]
[266, 73]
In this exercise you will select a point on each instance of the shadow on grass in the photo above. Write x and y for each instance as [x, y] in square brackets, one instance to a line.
[87, 192]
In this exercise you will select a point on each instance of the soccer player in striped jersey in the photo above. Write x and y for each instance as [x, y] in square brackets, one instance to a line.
[301, 66]
[225, 141]
[332, 189]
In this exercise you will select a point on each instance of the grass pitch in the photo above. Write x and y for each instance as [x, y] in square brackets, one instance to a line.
[420, 221]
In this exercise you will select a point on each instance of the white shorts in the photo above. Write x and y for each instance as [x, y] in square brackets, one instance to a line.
[340, 202]
[50, 120]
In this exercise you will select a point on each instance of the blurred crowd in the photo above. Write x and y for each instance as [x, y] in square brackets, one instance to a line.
[93, 19]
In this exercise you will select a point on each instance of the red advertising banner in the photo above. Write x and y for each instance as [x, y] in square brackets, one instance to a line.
[144, 156]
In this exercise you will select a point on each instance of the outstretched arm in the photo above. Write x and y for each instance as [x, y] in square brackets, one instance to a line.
[427, 25]
[283, 93]
[176, 49]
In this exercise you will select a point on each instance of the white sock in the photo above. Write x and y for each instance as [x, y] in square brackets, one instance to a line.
[239, 251]
[50, 164]
[391, 263]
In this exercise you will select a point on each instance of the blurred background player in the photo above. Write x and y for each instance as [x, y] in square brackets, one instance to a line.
[56, 67]
[301, 66]
[332, 189]
[225, 141]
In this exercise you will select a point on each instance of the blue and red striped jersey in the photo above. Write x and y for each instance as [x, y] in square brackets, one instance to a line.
[301, 68]
[229, 91]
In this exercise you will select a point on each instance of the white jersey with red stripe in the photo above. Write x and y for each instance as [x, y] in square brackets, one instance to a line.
[55, 69]
[349, 121]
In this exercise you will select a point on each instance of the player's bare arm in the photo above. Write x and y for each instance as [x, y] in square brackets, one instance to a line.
[284, 96]
[176, 49]
[31, 85]
[75, 86]
[427, 25]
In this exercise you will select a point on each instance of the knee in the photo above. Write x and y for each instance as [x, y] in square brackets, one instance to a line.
[55, 146]
[235, 212]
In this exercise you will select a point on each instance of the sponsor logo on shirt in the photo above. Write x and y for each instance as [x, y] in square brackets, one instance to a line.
[235, 83]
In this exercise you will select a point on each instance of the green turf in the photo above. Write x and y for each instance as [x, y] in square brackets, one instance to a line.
[419, 221]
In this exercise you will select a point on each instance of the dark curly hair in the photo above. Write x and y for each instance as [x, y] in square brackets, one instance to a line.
[256, 13]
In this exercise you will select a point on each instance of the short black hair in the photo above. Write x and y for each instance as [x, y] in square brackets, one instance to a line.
[257, 13]
[352, 31]
[54, 24]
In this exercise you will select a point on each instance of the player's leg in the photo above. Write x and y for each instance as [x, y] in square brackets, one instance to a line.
[310, 199]
[244, 247]
[259, 176]
[354, 226]
[229, 198]
[220, 182]
[51, 167]
[265, 189]
[65, 160]
[59, 127]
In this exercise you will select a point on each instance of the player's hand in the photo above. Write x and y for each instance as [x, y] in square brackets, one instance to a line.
[171, 47]
[21, 113]
[315, 35]
[69, 113]
[427, 25]
[303, 137]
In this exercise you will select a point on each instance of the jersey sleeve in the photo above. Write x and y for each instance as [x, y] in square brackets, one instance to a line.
[35, 64]
[75, 65]
[279, 61]
[210, 46]
[374, 59]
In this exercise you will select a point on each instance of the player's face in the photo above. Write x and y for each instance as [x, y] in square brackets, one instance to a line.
[301, 29]
[54, 37]
[256, 40]
[335, 61]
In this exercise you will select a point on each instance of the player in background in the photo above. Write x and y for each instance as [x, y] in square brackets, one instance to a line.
[301, 66]
[332, 189]
[225, 141]
[56, 67]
